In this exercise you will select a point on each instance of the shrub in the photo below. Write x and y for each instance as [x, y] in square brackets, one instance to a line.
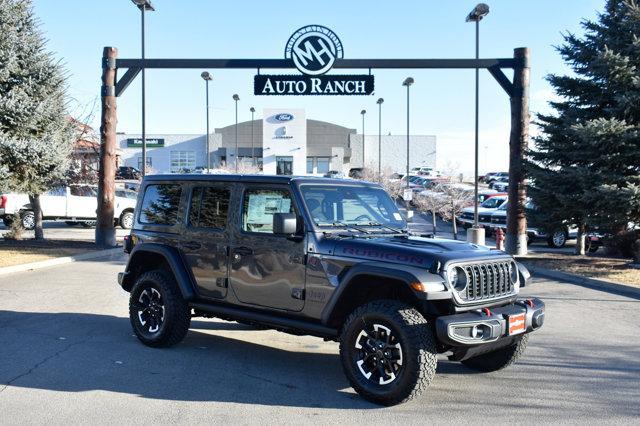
[622, 244]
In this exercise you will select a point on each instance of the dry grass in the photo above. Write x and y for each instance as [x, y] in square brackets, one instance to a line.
[604, 268]
[26, 251]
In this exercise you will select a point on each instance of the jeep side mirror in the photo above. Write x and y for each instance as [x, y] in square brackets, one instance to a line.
[285, 223]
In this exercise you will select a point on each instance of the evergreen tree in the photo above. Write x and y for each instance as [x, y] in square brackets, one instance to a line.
[35, 137]
[585, 166]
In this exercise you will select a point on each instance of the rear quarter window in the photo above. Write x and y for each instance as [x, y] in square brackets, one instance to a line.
[160, 204]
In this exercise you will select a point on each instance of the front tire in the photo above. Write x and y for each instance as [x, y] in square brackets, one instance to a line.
[160, 317]
[388, 352]
[499, 359]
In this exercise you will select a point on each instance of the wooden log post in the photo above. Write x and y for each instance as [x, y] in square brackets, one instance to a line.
[105, 229]
[516, 238]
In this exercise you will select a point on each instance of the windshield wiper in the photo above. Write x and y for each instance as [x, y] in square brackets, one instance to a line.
[391, 228]
[345, 225]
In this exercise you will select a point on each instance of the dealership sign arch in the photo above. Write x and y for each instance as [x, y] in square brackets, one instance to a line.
[314, 50]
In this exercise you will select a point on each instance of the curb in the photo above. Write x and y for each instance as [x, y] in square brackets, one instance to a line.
[602, 285]
[59, 261]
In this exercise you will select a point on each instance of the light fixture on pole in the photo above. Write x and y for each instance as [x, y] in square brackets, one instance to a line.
[363, 112]
[476, 235]
[253, 153]
[143, 5]
[236, 98]
[380, 101]
[408, 82]
[207, 77]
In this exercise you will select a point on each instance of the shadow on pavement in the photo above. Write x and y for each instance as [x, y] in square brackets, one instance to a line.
[76, 352]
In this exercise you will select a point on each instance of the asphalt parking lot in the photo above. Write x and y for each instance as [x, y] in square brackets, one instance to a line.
[69, 356]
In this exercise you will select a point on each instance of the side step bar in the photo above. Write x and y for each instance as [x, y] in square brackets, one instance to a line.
[279, 323]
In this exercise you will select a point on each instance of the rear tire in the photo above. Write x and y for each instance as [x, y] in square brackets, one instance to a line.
[502, 358]
[28, 220]
[558, 239]
[126, 220]
[388, 352]
[160, 317]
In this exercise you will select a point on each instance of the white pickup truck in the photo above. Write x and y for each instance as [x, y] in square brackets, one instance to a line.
[72, 204]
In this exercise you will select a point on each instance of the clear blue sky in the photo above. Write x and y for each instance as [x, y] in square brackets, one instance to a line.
[442, 100]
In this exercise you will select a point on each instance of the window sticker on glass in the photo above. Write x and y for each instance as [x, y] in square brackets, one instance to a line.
[263, 206]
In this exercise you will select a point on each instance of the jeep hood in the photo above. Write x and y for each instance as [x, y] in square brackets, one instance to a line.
[413, 251]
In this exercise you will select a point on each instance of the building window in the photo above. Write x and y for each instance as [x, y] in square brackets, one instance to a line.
[309, 165]
[284, 165]
[183, 161]
[149, 162]
[323, 165]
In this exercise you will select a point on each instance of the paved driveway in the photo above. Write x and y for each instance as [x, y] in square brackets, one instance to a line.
[68, 355]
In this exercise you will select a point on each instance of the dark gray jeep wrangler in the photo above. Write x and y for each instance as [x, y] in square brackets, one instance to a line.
[325, 257]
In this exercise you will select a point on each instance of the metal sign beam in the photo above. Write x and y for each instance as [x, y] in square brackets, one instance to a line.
[339, 63]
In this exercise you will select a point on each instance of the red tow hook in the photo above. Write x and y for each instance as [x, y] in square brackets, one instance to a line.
[486, 311]
[530, 303]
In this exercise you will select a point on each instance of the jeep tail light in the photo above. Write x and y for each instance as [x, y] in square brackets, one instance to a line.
[3, 201]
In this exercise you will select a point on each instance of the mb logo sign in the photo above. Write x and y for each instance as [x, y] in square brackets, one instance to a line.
[313, 50]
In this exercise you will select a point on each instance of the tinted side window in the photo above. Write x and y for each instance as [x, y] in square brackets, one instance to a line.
[209, 207]
[160, 204]
[260, 205]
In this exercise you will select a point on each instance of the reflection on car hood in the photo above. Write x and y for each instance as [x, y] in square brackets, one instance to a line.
[413, 251]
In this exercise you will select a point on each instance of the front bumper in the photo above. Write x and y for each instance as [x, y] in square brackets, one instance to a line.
[486, 326]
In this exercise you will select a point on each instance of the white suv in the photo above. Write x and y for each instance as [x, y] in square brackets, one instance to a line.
[73, 204]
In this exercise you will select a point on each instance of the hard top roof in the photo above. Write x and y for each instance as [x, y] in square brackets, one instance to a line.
[253, 178]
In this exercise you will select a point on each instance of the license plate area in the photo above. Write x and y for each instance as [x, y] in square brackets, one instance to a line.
[516, 324]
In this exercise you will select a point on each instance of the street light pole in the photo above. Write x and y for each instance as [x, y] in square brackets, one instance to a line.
[408, 82]
[207, 78]
[143, 5]
[379, 102]
[236, 98]
[363, 112]
[253, 152]
[477, 234]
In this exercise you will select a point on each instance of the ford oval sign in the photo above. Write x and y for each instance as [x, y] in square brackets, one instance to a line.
[284, 117]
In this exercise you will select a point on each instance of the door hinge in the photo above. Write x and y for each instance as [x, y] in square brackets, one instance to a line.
[297, 293]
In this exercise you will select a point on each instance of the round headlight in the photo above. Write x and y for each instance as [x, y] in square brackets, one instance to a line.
[513, 272]
[458, 278]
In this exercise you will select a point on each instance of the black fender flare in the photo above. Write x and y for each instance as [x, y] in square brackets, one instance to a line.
[172, 257]
[435, 289]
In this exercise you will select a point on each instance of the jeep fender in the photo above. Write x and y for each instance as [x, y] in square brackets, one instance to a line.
[433, 284]
[171, 257]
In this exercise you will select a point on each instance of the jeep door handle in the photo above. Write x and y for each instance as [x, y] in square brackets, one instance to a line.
[192, 245]
[242, 251]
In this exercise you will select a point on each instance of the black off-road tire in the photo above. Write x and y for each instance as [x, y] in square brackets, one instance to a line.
[177, 314]
[557, 239]
[418, 346]
[28, 219]
[502, 358]
[126, 219]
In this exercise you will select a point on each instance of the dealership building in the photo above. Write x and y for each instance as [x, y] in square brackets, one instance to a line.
[284, 141]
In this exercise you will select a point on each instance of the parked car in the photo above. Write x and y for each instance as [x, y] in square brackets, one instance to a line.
[556, 239]
[496, 180]
[489, 206]
[501, 186]
[327, 258]
[356, 172]
[72, 204]
[128, 173]
[490, 177]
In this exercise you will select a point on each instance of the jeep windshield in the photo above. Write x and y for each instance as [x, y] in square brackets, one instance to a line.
[356, 207]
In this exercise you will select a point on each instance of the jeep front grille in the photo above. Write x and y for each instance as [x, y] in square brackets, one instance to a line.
[489, 280]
